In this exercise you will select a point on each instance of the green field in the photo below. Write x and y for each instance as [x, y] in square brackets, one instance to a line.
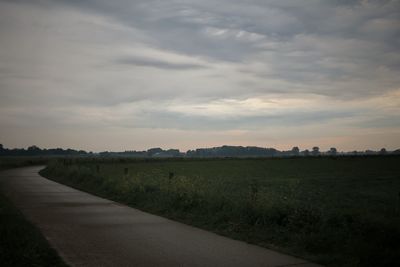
[342, 211]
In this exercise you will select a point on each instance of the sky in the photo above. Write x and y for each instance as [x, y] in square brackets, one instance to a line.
[134, 74]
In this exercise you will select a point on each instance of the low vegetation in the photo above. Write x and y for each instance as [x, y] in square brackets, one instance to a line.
[338, 211]
[21, 243]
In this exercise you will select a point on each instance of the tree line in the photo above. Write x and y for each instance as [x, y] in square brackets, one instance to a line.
[222, 151]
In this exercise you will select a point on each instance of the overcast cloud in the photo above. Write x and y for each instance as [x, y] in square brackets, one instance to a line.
[116, 75]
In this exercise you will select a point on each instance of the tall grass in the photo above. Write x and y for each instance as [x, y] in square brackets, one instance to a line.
[336, 211]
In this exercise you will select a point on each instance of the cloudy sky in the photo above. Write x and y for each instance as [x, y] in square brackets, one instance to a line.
[134, 74]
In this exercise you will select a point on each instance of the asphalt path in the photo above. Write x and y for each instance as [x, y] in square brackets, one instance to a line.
[87, 230]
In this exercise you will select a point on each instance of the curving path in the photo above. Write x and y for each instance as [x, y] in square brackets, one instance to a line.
[91, 231]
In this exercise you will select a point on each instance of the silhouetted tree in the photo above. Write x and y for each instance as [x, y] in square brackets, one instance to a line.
[173, 152]
[295, 151]
[153, 151]
[383, 151]
[370, 152]
[36, 151]
[315, 151]
[33, 148]
[233, 151]
[332, 151]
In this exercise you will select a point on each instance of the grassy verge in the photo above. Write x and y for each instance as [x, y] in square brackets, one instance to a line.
[335, 211]
[21, 243]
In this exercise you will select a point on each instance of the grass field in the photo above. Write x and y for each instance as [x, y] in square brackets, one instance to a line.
[335, 211]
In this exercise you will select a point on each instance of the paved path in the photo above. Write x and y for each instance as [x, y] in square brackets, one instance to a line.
[90, 231]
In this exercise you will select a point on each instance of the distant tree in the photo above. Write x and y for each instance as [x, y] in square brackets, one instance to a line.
[315, 151]
[153, 151]
[370, 152]
[33, 148]
[295, 151]
[383, 151]
[173, 152]
[306, 152]
[332, 151]
[36, 151]
[1, 147]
